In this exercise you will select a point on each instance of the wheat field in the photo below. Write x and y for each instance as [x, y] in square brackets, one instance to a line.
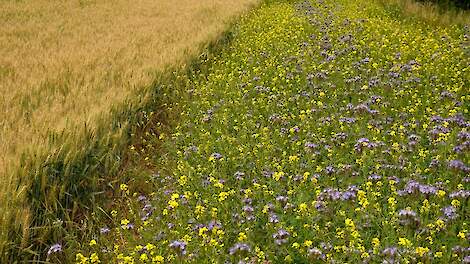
[64, 64]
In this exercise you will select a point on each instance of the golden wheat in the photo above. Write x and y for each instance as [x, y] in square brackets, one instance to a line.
[65, 63]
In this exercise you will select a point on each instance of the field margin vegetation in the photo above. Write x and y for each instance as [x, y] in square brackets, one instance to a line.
[197, 209]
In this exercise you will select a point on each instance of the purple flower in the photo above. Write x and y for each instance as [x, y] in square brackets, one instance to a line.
[361, 143]
[248, 209]
[362, 108]
[104, 230]
[348, 195]
[348, 120]
[390, 252]
[375, 177]
[406, 213]
[408, 217]
[282, 199]
[239, 175]
[216, 155]
[329, 170]
[413, 139]
[464, 136]
[459, 250]
[460, 194]
[450, 213]
[458, 165]
[311, 145]
[273, 218]
[54, 248]
[179, 246]
[340, 137]
[413, 187]
[315, 253]
[434, 163]
[280, 237]
[214, 224]
[239, 247]
[462, 147]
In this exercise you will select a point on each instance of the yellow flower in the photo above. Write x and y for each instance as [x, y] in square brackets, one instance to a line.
[150, 247]
[375, 242]
[306, 175]
[349, 223]
[278, 175]
[361, 196]
[92, 242]
[440, 224]
[308, 243]
[200, 209]
[461, 235]
[302, 207]
[259, 253]
[365, 255]
[80, 258]
[421, 251]
[113, 213]
[288, 258]
[158, 259]
[213, 242]
[124, 187]
[202, 231]
[223, 196]
[293, 158]
[94, 258]
[126, 259]
[441, 193]
[173, 204]
[455, 203]
[402, 241]
[425, 207]
[214, 212]
[138, 248]
[183, 180]
[144, 257]
[242, 236]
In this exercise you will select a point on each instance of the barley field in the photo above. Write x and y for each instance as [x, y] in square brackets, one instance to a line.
[65, 64]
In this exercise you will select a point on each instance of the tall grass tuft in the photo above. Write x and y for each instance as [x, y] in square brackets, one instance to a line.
[429, 11]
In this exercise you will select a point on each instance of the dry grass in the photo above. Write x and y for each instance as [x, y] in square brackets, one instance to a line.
[431, 13]
[66, 63]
